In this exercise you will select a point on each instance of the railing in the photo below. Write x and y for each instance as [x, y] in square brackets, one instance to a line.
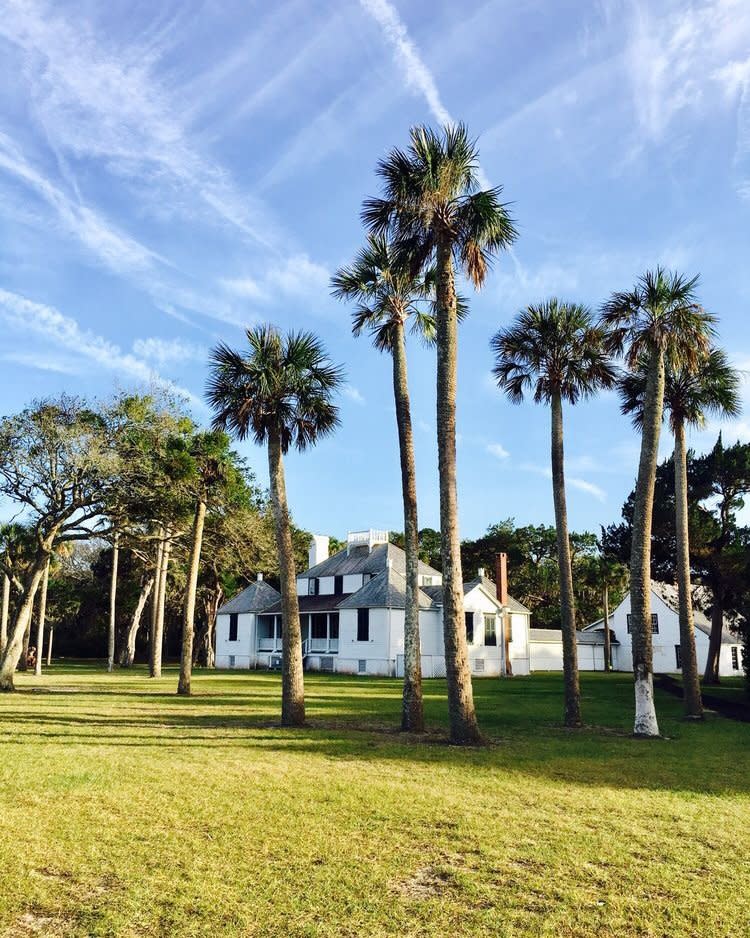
[268, 644]
[310, 646]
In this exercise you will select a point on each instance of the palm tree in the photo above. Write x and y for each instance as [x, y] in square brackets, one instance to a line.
[690, 394]
[555, 349]
[660, 322]
[388, 296]
[436, 214]
[278, 392]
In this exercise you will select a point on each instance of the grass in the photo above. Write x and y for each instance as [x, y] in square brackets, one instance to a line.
[127, 811]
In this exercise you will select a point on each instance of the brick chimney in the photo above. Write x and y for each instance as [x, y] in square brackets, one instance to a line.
[501, 578]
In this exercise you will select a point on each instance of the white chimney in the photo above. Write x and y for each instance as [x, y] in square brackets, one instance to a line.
[318, 549]
[259, 577]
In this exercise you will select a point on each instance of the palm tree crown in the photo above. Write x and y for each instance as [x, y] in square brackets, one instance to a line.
[554, 348]
[387, 294]
[690, 394]
[661, 314]
[431, 195]
[282, 385]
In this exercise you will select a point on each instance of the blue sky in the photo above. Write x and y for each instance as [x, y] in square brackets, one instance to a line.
[172, 172]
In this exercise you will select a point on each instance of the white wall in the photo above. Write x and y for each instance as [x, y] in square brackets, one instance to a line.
[520, 654]
[545, 656]
[243, 650]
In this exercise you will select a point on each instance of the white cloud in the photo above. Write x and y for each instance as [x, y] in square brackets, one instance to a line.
[295, 276]
[497, 450]
[354, 394]
[50, 325]
[571, 481]
[168, 351]
[244, 287]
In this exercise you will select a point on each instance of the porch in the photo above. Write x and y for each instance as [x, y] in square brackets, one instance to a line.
[320, 633]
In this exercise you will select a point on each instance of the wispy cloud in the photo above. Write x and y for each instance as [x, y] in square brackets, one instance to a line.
[498, 451]
[574, 482]
[295, 276]
[354, 394]
[168, 351]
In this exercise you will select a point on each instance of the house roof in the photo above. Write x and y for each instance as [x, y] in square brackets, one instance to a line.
[668, 594]
[363, 560]
[387, 589]
[595, 637]
[326, 603]
[489, 586]
[545, 635]
[253, 598]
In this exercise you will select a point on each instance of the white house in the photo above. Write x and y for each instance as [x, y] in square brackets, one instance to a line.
[352, 616]
[665, 624]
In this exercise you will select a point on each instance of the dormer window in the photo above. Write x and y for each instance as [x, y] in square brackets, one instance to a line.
[313, 586]
[427, 581]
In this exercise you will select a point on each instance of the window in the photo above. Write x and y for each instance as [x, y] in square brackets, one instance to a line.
[363, 625]
[333, 623]
[233, 622]
[362, 666]
[427, 581]
[319, 625]
[338, 585]
[313, 586]
[678, 657]
[231, 661]
[735, 658]
[469, 617]
[654, 623]
[490, 630]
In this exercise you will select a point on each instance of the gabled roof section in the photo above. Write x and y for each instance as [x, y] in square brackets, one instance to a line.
[364, 560]
[253, 598]
[386, 590]
[488, 590]
[488, 586]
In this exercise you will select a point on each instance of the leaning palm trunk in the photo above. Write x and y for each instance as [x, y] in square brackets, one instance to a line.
[41, 621]
[4, 613]
[412, 711]
[292, 681]
[161, 603]
[22, 622]
[711, 675]
[155, 604]
[688, 658]
[607, 636]
[567, 600]
[113, 604]
[646, 723]
[463, 720]
[191, 588]
[50, 638]
[127, 654]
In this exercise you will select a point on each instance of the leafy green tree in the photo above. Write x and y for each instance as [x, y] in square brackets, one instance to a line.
[660, 322]
[433, 210]
[279, 392]
[389, 297]
[554, 350]
[690, 394]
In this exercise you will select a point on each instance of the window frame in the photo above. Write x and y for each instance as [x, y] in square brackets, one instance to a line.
[363, 624]
[234, 627]
[654, 623]
[490, 616]
[469, 624]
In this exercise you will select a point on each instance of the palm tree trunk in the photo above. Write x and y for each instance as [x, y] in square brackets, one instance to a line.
[463, 720]
[22, 622]
[645, 723]
[567, 600]
[607, 637]
[711, 675]
[292, 680]
[50, 637]
[113, 603]
[191, 588]
[127, 655]
[4, 613]
[161, 603]
[155, 604]
[41, 621]
[205, 652]
[412, 710]
[688, 658]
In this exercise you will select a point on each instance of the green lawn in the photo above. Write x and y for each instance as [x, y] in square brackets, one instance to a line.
[127, 811]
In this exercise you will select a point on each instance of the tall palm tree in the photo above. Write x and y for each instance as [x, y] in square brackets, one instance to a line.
[554, 349]
[436, 214]
[388, 297]
[658, 321]
[278, 391]
[690, 395]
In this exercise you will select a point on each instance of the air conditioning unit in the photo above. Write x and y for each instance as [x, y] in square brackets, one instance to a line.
[274, 662]
[478, 665]
[326, 664]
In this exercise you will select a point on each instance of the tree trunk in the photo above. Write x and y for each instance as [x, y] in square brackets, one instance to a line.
[4, 613]
[42, 618]
[567, 600]
[23, 664]
[127, 655]
[292, 680]
[113, 604]
[155, 605]
[204, 650]
[463, 720]
[21, 622]
[412, 710]
[607, 636]
[645, 723]
[191, 588]
[711, 675]
[161, 604]
[688, 658]
[50, 637]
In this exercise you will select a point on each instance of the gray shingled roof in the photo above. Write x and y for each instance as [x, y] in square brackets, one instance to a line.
[364, 560]
[436, 593]
[387, 589]
[545, 635]
[254, 598]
